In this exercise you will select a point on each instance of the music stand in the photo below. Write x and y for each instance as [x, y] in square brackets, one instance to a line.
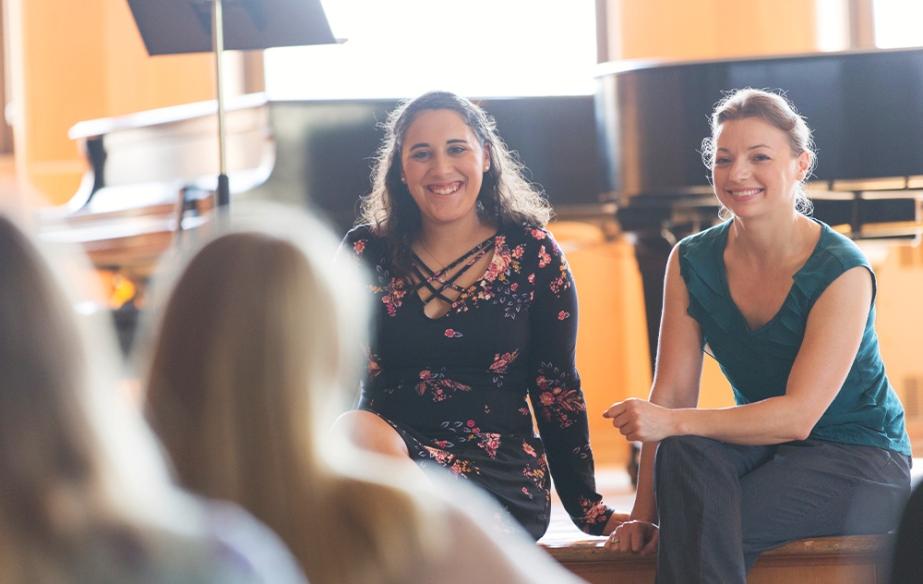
[170, 27]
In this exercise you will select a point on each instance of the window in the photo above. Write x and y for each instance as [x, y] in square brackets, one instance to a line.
[478, 48]
[898, 23]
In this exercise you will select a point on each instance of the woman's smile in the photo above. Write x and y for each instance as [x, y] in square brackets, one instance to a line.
[445, 188]
[443, 166]
[744, 195]
[754, 170]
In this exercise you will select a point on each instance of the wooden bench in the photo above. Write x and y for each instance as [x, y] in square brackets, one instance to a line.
[857, 559]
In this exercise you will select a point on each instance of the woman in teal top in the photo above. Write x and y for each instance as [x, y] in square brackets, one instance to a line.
[816, 444]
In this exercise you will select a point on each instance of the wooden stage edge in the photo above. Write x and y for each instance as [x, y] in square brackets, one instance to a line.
[860, 559]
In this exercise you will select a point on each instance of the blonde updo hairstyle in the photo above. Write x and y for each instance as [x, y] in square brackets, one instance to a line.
[774, 109]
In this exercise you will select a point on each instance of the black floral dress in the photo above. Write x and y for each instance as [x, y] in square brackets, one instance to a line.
[456, 387]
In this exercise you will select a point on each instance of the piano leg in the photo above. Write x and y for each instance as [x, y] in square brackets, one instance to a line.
[652, 250]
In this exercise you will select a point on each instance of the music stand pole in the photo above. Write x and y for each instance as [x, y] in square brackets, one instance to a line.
[223, 191]
[170, 27]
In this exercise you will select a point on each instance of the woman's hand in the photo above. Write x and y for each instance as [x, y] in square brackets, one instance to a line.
[614, 521]
[640, 420]
[635, 536]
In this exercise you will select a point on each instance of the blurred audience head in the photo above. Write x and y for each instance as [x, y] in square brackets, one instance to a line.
[76, 460]
[257, 342]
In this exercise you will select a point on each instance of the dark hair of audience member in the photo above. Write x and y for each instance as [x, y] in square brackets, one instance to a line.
[77, 463]
[907, 561]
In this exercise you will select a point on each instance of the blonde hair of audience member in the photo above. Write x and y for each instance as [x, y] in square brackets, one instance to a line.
[77, 463]
[255, 339]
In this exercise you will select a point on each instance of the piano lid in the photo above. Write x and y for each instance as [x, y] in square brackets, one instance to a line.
[866, 110]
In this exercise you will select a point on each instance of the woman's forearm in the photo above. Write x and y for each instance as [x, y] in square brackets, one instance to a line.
[827, 353]
[771, 421]
[645, 507]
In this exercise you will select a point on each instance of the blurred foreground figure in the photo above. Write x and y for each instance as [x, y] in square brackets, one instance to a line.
[908, 548]
[257, 341]
[86, 495]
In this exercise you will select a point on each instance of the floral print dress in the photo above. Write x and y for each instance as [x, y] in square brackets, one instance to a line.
[458, 388]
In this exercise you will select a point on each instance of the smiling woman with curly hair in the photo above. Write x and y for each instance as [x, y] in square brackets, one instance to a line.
[476, 318]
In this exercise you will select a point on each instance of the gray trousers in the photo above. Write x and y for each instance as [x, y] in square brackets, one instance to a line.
[721, 504]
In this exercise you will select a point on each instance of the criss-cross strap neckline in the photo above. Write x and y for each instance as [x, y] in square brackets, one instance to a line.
[436, 283]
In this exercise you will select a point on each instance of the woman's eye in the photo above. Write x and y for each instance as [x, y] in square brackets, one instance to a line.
[419, 155]
[722, 161]
[457, 149]
[761, 157]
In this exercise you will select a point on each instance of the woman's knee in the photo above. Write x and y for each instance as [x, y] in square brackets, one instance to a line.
[370, 432]
[684, 462]
[681, 451]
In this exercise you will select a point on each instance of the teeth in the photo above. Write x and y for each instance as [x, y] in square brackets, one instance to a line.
[745, 193]
[447, 189]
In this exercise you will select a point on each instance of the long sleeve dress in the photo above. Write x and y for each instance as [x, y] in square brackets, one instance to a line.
[458, 388]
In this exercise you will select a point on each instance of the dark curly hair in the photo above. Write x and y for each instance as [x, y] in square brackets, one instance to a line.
[506, 197]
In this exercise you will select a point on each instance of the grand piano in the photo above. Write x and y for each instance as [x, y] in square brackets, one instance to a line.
[629, 154]
[866, 111]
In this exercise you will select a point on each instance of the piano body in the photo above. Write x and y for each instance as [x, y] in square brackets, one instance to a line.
[866, 111]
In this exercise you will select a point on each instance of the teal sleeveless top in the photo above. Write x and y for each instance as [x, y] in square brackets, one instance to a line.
[757, 363]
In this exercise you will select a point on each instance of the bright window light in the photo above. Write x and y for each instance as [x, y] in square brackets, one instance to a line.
[477, 48]
[832, 25]
[898, 23]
